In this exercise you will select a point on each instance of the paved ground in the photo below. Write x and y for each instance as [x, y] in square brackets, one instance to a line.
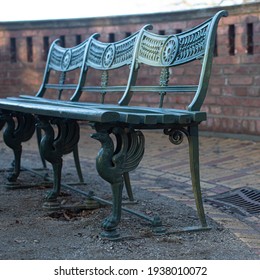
[226, 164]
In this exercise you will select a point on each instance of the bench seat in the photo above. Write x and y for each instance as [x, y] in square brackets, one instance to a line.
[90, 114]
[103, 112]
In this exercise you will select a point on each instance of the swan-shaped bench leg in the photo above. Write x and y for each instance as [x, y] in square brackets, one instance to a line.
[112, 164]
[20, 128]
[52, 148]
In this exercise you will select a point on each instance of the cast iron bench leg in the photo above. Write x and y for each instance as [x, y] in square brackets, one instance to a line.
[112, 164]
[75, 155]
[176, 137]
[14, 134]
[195, 172]
[53, 148]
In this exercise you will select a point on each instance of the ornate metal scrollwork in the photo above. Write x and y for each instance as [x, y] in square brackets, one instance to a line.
[192, 44]
[104, 82]
[65, 62]
[164, 80]
[105, 55]
[150, 49]
[104, 78]
[77, 56]
[124, 51]
[169, 50]
[108, 56]
[175, 134]
[56, 58]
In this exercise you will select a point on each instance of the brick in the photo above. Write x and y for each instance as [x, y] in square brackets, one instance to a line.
[214, 90]
[227, 59]
[215, 110]
[240, 80]
[249, 59]
[249, 18]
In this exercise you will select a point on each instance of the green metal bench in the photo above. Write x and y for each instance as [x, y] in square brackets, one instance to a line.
[124, 121]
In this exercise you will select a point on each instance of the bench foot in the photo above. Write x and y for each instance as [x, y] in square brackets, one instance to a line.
[157, 226]
[51, 205]
[110, 235]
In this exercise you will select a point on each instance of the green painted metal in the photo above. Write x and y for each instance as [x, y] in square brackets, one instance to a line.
[117, 158]
[112, 163]
[53, 148]
[19, 128]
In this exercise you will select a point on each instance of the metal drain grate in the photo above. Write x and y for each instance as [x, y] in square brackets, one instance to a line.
[242, 201]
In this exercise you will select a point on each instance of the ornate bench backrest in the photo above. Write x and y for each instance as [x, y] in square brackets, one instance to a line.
[167, 51]
[105, 58]
[59, 63]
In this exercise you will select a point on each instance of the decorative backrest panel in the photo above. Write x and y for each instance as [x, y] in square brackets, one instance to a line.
[61, 61]
[172, 50]
[192, 43]
[67, 59]
[153, 48]
[167, 51]
[106, 56]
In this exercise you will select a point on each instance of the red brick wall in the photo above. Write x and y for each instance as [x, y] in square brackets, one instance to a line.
[233, 99]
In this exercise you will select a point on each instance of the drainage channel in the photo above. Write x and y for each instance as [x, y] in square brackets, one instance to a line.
[242, 201]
